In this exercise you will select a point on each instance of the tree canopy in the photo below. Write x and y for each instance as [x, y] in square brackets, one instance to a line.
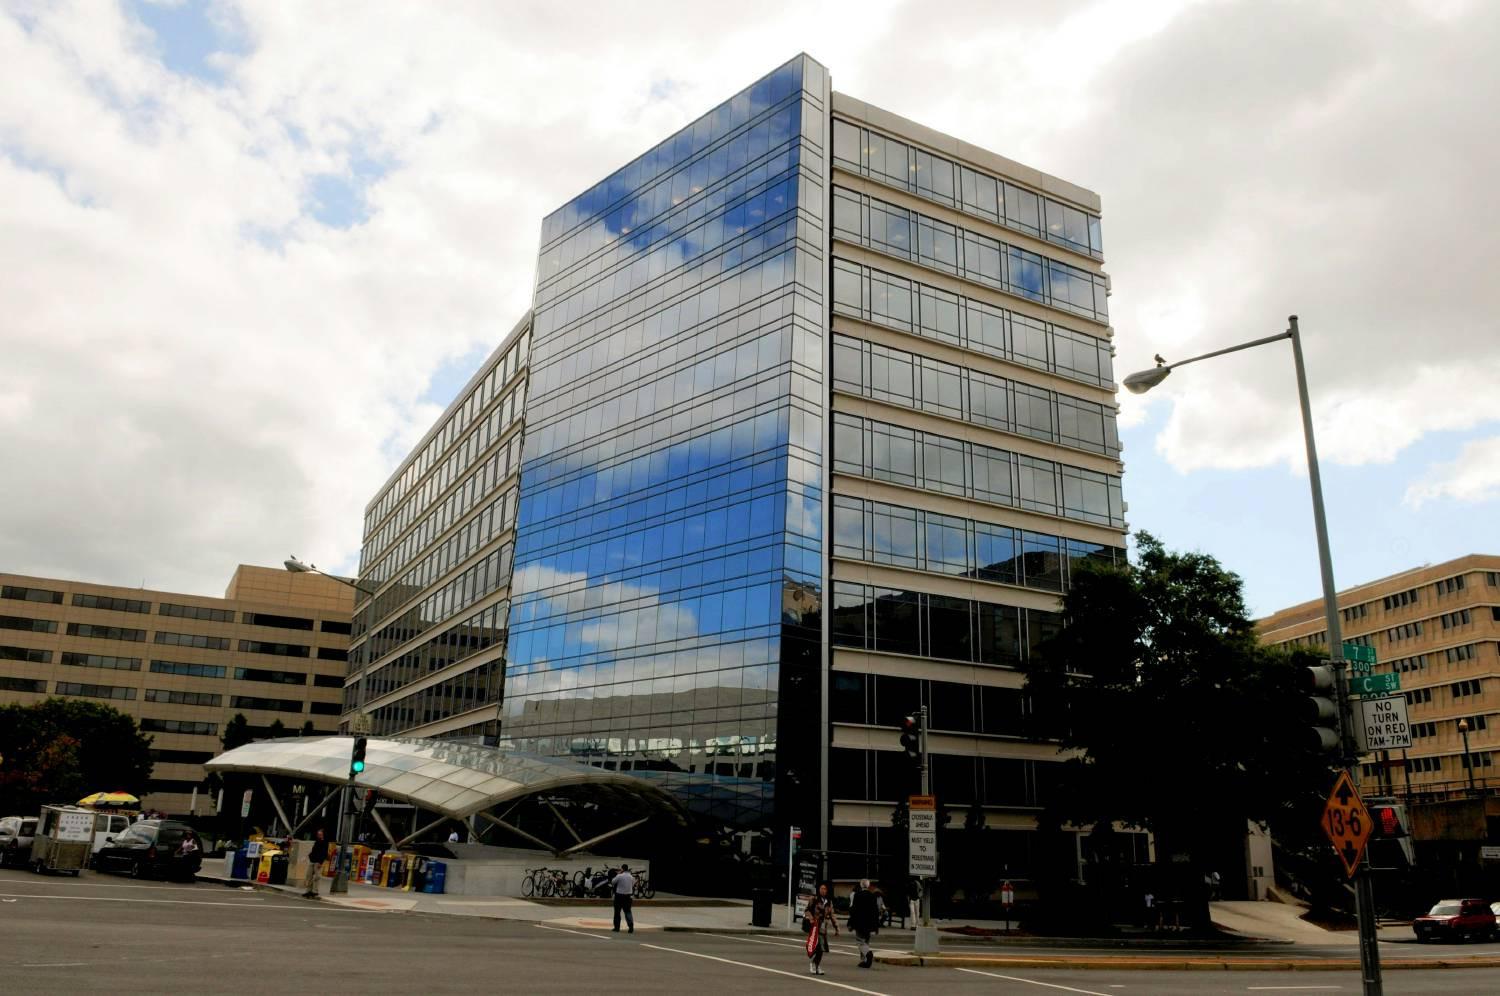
[60, 750]
[1177, 715]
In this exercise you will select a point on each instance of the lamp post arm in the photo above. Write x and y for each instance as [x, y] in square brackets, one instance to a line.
[1235, 349]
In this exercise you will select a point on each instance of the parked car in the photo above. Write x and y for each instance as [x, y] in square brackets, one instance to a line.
[150, 849]
[1456, 920]
[106, 825]
[16, 835]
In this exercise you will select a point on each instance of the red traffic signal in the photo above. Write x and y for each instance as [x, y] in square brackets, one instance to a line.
[911, 736]
[1389, 820]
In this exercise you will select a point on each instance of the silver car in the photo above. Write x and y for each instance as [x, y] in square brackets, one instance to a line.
[16, 833]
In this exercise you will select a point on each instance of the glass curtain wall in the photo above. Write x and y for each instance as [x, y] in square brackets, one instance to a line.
[665, 613]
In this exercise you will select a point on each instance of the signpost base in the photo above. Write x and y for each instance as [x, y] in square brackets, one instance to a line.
[927, 940]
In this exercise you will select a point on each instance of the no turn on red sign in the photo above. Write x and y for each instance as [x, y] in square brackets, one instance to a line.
[1347, 822]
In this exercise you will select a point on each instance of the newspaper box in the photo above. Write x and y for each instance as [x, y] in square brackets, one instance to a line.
[64, 839]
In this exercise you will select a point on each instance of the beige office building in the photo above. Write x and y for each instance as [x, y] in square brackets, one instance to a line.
[274, 648]
[1438, 628]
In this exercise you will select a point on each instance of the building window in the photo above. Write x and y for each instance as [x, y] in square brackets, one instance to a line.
[106, 632]
[29, 655]
[149, 725]
[190, 670]
[195, 612]
[110, 603]
[101, 660]
[31, 594]
[195, 640]
[93, 691]
[277, 622]
[184, 698]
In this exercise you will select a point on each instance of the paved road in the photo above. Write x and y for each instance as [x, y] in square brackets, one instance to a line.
[105, 934]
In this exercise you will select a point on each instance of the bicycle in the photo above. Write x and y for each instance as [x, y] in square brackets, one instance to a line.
[530, 884]
[643, 888]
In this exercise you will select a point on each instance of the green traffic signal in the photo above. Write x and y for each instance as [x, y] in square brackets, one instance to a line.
[357, 756]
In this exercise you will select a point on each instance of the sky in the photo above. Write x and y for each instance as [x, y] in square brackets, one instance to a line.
[249, 251]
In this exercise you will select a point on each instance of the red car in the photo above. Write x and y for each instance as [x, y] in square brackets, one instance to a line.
[1456, 920]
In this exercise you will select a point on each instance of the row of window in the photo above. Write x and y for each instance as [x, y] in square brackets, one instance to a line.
[1467, 687]
[111, 603]
[1449, 586]
[473, 535]
[200, 612]
[1405, 631]
[882, 298]
[150, 725]
[101, 660]
[861, 150]
[35, 686]
[1356, 612]
[24, 594]
[914, 236]
[480, 631]
[1458, 618]
[898, 377]
[1399, 599]
[28, 625]
[29, 655]
[500, 373]
[458, 694]
[972, 470]
[396, 546]
[885, 776]
[174, 697]
[93, 691]
[474, 583]
[882, 533]
[918, 624]
[952, 707]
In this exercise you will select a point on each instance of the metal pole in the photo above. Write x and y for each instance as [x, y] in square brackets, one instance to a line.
[1369, 951]
[926, 940]
[340, 872]
[1463, 727]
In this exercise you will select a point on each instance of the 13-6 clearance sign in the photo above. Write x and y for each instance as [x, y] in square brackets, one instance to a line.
[1347, 822]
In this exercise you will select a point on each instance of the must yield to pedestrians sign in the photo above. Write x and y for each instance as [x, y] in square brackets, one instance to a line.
[921, 815]
[1347, 822]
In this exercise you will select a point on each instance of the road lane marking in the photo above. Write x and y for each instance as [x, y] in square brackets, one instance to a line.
[1034, 982]
[762, 968]
[788, 943]
[55, 964]
[1287, 988]
[565, 930]
[159, 902]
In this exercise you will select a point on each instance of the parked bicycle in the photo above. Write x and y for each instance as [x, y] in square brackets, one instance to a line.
[643, 887]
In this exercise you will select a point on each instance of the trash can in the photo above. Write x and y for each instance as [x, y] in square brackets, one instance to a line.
[437, 877]
[229, 857]
[760, 907]
[397, 874]
[278, 869]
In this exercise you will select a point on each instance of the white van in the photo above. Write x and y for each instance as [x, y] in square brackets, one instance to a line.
[107, 825]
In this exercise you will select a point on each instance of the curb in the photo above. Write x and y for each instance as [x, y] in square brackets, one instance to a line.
[1179, 964]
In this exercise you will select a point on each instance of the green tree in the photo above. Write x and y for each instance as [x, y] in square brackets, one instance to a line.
[1180, 722]
[236, 732]
[276, 729]
[60, 750]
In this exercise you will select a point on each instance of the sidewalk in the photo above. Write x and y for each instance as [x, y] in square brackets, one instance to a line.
[1267, 935]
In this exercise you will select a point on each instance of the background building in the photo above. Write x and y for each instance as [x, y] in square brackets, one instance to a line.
[273, 648]
[819, 415]
[1438, 627]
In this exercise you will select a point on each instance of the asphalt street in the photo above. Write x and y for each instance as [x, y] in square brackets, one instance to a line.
[100, 933]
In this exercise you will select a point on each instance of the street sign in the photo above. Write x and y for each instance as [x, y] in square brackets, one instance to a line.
[361, 724]
[1375, 684]
[1346, 822]
[1361, 658]
[1383, 724]
[1487, 853]
[1007, 895]
[921, 823]
[245, 803]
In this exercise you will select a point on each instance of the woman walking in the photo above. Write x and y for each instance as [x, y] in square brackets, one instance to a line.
[818, 920]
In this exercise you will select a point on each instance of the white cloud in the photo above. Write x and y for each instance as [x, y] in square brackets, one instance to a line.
[196, 372]
[1472, 478]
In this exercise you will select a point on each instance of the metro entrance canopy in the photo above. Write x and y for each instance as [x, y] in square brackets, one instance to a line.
[460, 780]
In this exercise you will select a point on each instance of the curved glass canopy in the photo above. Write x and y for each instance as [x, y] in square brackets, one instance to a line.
[453, 779]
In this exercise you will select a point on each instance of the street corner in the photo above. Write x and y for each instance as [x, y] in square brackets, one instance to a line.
[372, 905]
[594, 923]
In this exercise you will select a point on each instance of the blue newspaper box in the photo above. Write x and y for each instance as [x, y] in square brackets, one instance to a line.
[397, 876]
[241, 864]
[437, 877]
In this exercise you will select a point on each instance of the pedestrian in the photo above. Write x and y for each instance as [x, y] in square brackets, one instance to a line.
[453, 836]
[315, 859]
[189, 844]
[623, 886]
[864, 920]
[914, 900]
[818, 919]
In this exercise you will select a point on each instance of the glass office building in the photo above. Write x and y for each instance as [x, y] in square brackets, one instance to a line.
[818, 420]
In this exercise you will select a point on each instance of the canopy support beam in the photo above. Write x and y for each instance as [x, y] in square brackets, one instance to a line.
[522, 833]
[384, 827]
[421, 830]
[314, 810]
[275, 801]
[566, 825]
[584, 845]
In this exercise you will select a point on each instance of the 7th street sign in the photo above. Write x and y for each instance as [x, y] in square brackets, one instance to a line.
[1346, 822]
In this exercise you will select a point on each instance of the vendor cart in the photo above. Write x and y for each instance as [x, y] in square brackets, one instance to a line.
[64, 839]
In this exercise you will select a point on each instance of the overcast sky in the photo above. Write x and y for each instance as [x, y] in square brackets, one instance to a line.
[249, 251]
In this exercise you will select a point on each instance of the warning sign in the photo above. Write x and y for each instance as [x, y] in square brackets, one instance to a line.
[1383, 723]
[1347, 822]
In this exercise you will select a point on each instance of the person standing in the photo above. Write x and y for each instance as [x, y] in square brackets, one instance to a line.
[623, 887]
[864, 920]
[819, 914]
[315, 858]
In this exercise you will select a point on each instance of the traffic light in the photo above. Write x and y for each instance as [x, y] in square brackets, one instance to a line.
[911, 736]
[357, 758]
[1322, 708]
[1389, 835]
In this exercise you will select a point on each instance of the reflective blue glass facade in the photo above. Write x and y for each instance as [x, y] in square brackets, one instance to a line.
[665, 604]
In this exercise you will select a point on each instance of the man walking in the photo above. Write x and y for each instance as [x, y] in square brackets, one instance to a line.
[623, 886]
[315, 859]
[864, 920]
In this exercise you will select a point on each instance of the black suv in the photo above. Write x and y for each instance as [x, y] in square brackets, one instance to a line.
[151, 849]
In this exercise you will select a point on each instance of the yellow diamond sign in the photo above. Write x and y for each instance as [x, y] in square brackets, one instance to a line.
[1347, 822]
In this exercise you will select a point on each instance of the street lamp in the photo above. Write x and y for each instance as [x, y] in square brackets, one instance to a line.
[360, 725]
[1463, 727]
[1144, 380]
